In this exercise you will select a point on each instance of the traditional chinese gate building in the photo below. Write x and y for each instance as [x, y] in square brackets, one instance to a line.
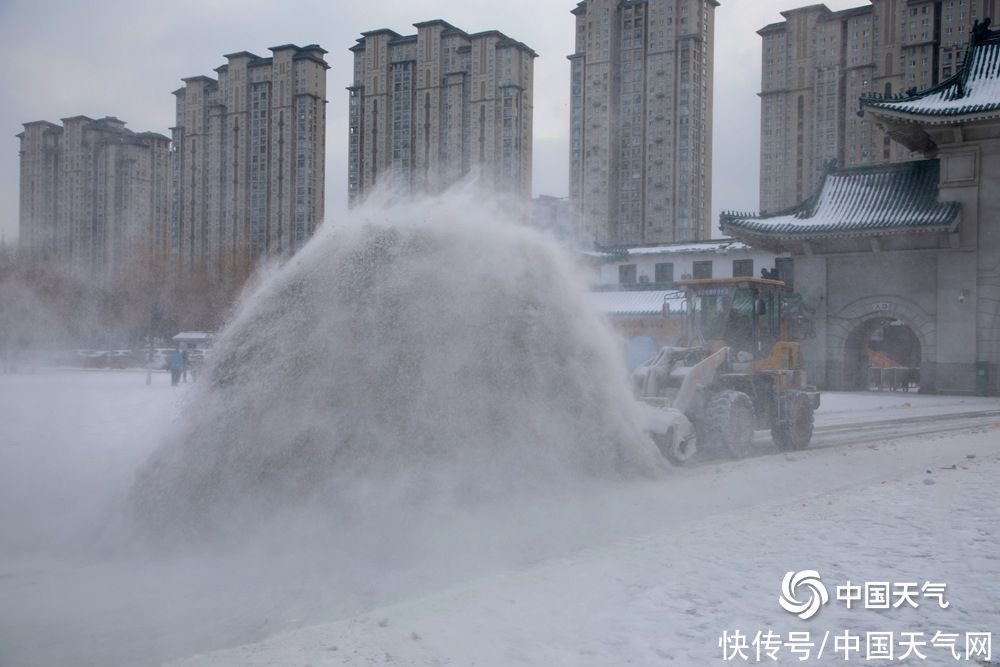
[906, 253]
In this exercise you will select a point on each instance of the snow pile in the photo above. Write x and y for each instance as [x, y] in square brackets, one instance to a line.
[411, 358]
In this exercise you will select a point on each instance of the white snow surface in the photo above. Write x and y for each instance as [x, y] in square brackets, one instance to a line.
[871, 200]
[648, 572]
[717, 246]
[894, 404]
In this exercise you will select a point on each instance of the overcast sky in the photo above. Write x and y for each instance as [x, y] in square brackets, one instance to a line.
[123, 58]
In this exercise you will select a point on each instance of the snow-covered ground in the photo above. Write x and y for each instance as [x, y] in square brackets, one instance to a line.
[846, 401]
[897, 512]
[646, 573]
[65, 437]
[848, 407]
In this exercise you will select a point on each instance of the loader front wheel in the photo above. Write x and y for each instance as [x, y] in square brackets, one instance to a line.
[729, 423]
[797, 429]
[677, 453]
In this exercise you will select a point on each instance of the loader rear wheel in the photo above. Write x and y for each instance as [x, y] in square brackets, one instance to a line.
[729, 423]
[796, 431]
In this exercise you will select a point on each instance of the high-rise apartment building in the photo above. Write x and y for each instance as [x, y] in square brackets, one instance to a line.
[249, 158]
[94, 195]
[429, 108]
[816, 65]
[641, 120]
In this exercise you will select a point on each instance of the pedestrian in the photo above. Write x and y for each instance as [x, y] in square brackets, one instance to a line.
[176, 363]
[184, 366]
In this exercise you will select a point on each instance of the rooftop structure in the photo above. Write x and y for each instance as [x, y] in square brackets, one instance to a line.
[870, 200]
[973, 93]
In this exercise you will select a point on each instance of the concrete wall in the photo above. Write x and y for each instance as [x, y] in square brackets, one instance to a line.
[970, 174]
[921, 289]
[987, 293]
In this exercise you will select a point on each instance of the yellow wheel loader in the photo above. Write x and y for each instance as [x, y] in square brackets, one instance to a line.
[736, 371]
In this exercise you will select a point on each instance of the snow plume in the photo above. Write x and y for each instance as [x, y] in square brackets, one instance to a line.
[413, 358]
[27, 324]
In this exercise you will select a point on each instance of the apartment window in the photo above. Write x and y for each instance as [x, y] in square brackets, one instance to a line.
[664, 272]
[742, 268]
[703, 270]
[626, 274]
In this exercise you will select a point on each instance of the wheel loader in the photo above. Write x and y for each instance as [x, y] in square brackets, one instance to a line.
[734, 372]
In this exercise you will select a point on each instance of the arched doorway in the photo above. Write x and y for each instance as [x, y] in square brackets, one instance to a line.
[882, 353]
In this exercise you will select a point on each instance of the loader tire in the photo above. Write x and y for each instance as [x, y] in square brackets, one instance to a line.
[677, 453]
[796, 432]
[729, 423]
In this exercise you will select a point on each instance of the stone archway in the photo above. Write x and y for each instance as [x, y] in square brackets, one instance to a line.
[856, 321]
[881, 342]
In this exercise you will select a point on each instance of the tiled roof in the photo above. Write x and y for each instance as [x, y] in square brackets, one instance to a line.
[975, 89]
[636, 302]
[859, 200]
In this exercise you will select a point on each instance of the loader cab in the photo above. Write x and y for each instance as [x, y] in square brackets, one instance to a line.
[741, 313]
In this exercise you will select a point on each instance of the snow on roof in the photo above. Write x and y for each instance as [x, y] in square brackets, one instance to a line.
[637, 302]
[974, 89]
[624, 252]
[859, 200]
[604, 254]
[191, 336]
[717, 245]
